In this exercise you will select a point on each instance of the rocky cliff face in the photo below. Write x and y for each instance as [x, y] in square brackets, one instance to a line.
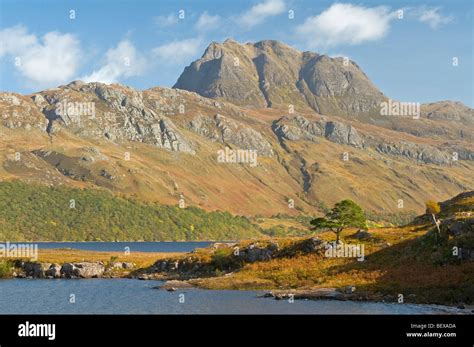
[18, 111]
[232, 133]
[116, 113]
[272, 74]
[300, 128]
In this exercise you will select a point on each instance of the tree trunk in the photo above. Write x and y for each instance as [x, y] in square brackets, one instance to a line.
[338, 232]
[437, 225]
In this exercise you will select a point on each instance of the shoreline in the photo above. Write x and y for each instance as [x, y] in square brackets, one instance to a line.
[318, 294]
[296, 266]
[182, 241]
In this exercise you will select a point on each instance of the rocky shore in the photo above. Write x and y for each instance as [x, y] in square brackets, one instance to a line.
[71, 270]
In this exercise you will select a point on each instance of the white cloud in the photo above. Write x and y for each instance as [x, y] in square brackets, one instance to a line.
[260, 12]
[346, 24]
[16, 40]
[121, 61]
[166, 21]
[47, 62]
[207, 21]
[433, 17]
[178, 51]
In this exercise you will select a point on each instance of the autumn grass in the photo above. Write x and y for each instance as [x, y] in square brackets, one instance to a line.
[60, 256]
[397, 262]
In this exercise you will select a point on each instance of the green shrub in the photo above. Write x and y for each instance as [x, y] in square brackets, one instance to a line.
[5, 269]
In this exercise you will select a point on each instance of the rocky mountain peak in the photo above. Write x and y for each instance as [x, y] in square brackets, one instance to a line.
[269, 73]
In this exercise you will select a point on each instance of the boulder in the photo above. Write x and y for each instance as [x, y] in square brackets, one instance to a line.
[68, 270]
[362, 235]
[35, 270]
[82, 270]
[349, 289]
[273, 246]
[160, 265]
[89, 270]
[313, 245]
[173, 285]
[127, 265]
[254, 252]
[54, 271]
[116, 265]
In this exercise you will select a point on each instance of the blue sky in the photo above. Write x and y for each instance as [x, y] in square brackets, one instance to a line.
[145, 43]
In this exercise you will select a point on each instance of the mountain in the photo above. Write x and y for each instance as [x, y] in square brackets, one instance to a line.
[271, 74]
[164, 145]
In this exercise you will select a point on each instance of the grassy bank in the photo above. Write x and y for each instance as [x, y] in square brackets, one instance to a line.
[397, 261]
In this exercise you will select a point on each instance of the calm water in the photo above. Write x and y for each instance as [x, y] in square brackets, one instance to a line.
[127, 296]
[165, 247]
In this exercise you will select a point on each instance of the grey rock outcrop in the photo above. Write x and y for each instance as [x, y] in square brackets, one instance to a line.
[20, 112]
[343, 133]
[67, 270]
[35, 270]
[254, 252]
[448, 110]
[422, 153]
[300, 128]
[231, 132]
[82, 270]
[115, 112]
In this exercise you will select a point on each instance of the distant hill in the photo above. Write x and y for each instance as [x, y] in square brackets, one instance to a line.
[39, 213]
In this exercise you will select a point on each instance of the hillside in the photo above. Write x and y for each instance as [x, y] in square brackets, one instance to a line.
[161, 145]
[393, 261]
[39, 213]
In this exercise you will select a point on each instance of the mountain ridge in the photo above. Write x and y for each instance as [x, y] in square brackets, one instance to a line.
[172, 137]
